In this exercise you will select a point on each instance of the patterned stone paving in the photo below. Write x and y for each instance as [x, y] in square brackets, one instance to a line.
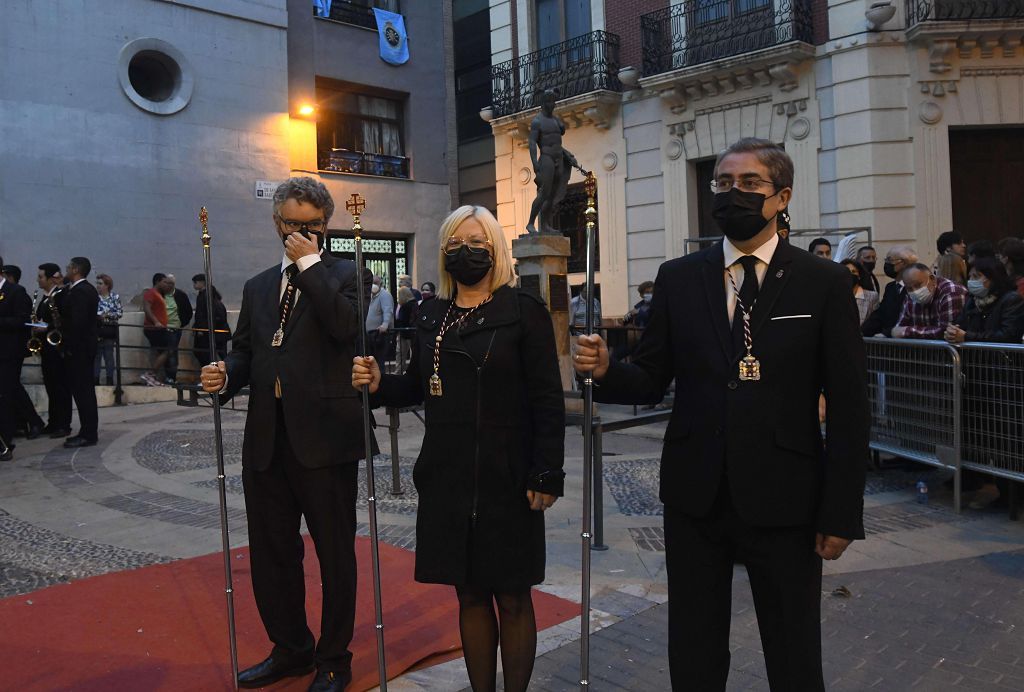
[173, 451]
[398, 536]
[173, 509]
[32, 557]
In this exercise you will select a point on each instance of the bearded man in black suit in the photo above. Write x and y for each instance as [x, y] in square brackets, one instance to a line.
[752, 331]
[293, 347]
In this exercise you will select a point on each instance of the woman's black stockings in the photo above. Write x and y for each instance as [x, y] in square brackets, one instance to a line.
[515, 628]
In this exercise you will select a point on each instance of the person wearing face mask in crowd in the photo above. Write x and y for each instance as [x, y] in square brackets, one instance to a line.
[887, 314]
[743, 326]
[931, 304]
[868, 258]
[640, 315]
[427, 291]
[293, 345]
[867, 300]
[485, 367]
[380, 317]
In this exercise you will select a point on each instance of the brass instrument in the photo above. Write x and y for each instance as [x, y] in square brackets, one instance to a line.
[54, 337]
[35, 344]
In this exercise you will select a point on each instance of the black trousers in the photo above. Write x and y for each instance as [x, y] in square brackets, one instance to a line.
[275, 500]
[82, 386]
[10, 368]
[785, 578]
[57, 390]
[24, 410]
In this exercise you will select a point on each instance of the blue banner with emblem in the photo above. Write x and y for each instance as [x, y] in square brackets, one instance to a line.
[394, 43]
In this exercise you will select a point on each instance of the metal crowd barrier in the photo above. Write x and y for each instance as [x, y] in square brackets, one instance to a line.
[956, 407]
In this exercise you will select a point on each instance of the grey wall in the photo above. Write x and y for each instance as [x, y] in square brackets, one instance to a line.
[84, 171]
[348, 53]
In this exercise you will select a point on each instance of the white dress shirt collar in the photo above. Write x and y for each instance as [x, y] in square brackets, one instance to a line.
[76, 283]
[3, 280]
[763, 253]
[303, 262]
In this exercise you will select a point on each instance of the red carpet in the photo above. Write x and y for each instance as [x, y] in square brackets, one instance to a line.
[165, 627]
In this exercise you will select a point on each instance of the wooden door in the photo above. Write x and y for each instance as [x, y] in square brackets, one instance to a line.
[986, 166]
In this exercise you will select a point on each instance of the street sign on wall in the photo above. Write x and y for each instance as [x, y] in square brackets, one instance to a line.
[265, 188]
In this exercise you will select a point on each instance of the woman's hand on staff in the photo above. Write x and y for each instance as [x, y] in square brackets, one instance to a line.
[539, 501]
[591, 354]
[213, 377]
[365, 373]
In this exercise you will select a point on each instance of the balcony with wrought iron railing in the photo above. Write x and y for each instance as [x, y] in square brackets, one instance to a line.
[919, 11]
[696, 32]
[581, 65]
[355, 12]
[363, 162]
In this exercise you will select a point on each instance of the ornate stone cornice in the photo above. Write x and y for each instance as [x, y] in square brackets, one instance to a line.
[775, 66]
[597, 109]
[983, 38]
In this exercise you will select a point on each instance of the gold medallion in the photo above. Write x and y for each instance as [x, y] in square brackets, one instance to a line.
[750, 369]
[278, 337]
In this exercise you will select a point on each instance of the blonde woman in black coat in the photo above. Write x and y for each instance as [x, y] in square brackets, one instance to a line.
[485, 367]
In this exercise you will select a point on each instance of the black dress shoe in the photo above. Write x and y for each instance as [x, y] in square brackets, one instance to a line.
[78, 441]
[330, 681]
[273, 669]
[33, 432]
[59, 432]
[7, 453]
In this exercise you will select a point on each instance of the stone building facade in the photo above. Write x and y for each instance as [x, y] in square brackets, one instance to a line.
[904, 119]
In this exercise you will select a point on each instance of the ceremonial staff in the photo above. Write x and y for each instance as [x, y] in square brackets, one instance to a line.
[219, 440]
[590, 185]
[355, 207]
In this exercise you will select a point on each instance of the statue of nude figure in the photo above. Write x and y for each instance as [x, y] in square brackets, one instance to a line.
[552, 164]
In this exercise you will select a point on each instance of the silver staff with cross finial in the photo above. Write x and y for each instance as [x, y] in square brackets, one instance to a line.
[355, 206]
[219, 443]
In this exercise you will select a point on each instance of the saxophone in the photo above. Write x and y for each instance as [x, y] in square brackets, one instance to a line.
[54, 336]
[35, 344]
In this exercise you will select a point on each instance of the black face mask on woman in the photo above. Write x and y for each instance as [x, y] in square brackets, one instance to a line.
[468, 267]
[738, 213]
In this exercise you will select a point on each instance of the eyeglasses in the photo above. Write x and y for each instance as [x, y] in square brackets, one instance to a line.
[314, 226]
[453, 244]
[744, 184]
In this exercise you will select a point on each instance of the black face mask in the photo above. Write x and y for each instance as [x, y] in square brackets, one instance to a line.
[306, 235]
[890, 269]
[869, 267]
[855, 279]
[738, 213]
[468, 267]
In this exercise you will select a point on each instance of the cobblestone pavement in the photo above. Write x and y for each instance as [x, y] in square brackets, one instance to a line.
[936, 598]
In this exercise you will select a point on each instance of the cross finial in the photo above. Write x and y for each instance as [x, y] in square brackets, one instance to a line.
[203, 218]
[355, 205]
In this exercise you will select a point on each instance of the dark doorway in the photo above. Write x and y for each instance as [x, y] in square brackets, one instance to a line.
[985, 167]
[706, 226]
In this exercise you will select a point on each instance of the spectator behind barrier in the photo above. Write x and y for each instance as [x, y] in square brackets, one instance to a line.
[868, 259]
[953, 267]
[1011, 254]
[640, 315]
[820, 247]
[994, 311]
[979, 249]
[951, 242]
[931, 304]
[867, 300]
[883, 319]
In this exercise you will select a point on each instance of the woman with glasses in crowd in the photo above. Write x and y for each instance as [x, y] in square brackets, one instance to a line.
[485, 367]
[108, 313]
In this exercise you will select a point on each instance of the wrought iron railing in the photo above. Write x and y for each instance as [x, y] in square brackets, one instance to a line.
[578, 66]
[357, 12]
[699, 31]
[962, 10]
[351, 161]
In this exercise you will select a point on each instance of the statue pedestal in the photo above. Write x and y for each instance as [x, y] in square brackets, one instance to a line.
[542, 261]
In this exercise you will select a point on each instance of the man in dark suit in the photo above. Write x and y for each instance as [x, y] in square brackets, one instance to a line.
[15, 311]
[77, 304]
[293, 347]
[58, 394]
[752, 331]
[887, 314]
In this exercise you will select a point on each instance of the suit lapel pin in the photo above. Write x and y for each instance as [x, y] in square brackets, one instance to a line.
[778, 275]
[480, 321]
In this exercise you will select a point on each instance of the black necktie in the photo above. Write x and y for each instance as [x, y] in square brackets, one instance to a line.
[748, 296]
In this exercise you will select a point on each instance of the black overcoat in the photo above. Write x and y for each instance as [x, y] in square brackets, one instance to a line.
[497, 431]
